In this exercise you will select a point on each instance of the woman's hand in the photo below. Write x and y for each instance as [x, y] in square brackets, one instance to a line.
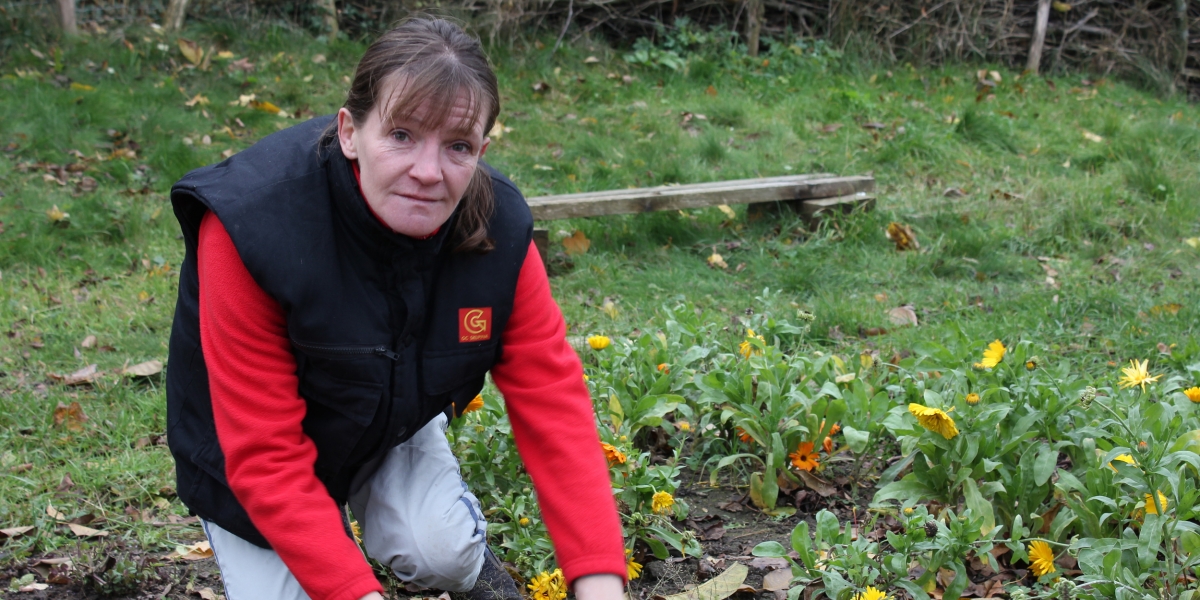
[372, 596]
[599, 587]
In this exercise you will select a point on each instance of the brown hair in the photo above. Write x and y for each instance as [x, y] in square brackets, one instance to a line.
[438, 61]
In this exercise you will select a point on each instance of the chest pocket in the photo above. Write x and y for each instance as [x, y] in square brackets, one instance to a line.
[343, 386]
[457, 375]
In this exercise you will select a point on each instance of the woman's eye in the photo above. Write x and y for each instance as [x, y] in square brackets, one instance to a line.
[461, 147]
[400, 136]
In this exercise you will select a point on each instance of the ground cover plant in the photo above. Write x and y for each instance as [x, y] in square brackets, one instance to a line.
[987, 386]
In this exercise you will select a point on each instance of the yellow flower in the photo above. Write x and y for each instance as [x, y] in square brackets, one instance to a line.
[934, 419]
[1041, 558]
[992, 356]
[746, 348]
[357, 531]
[615, 457]
[972, 398]
[1152, 506]
[1193, 394]
[1137, 374]
[684, 426]
[1125, 458]
[804, 458]
[475, 404]
[548, 586]
[662, 502]
[598, 342]
[871, 594]
[523, 522]
[633, 568]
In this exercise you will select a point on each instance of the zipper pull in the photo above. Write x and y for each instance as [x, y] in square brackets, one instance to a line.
[383, 351]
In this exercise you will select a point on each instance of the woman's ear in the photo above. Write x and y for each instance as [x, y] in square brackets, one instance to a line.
[346, 131]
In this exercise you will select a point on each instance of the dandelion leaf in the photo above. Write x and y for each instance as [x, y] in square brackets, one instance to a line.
[718, 588]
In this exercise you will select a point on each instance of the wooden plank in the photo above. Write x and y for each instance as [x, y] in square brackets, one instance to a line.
[677, 197]
[814, 208]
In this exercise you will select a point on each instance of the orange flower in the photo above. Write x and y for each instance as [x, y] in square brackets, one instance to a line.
[804, 458]
[742, 435]
[828, 443]
[475, 404]
[615, 457]
[664, 368]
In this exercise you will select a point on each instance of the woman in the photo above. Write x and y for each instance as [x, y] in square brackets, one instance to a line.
[348, 283]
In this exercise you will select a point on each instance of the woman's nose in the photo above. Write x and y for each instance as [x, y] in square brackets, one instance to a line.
[427, 167]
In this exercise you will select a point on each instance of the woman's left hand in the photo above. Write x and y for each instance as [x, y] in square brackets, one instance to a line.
[599, 587]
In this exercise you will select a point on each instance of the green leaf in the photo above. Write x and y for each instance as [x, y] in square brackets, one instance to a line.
[979, 506]
[1043, 465]
[769, 549]
[657, 548]
[908, 488]
[856, 439]
[1189, 441]
[614, 409]
[913, 589]
[956, 587]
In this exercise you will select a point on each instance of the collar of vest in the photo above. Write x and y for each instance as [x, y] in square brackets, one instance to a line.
[350, 204]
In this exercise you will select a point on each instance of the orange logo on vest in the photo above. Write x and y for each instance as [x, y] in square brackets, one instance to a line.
[474, 324]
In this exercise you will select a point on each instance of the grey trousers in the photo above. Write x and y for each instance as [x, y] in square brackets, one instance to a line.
[416, 515]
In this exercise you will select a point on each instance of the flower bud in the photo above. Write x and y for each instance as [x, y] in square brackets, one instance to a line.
[1086, 398]
[972, 398]
[931, 528]
[804, 315]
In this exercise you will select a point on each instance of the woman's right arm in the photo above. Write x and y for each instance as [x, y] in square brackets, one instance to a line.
[258, 413]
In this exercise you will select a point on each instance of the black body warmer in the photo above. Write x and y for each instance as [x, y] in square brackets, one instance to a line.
[387, 331]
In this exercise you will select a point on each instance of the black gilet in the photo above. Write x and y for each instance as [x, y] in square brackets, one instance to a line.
[387, 331]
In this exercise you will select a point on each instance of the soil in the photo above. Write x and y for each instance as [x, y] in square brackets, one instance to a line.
[722, 518]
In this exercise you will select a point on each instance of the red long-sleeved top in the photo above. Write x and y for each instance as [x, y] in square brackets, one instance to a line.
[269, 460]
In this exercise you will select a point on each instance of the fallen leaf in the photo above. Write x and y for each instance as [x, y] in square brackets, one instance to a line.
[497, 131]
[609, 308]
[57, 216]
[84, 532]
[1193, 242]
[831, 128]
[146, 369]
[845, 378]
[728, 211]
[577, 243]
[81, 87]
[13, 532]
[715, 260]
[1061, 7]
[87, 184]
[873, 125]
[766, 563]
[591, 60]
[33, 587]
[1166, 309]
[541, 87]
[779, 579]
[197, 99]
[816, 484]
[714, 533]
[241, 64]
[1091, 137]
[197, 551]
[719, 587]
[903, 315]
[903, 236]
[711, 91]
[83, 376]
[88, 341]
[191, 51]
[224, 55]
[54, 514]
[318, 59]
[71, 416]
[267, 107]
[207, 594]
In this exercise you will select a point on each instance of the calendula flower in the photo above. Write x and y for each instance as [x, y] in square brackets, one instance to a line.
[746, 348]
[615, 457]
[1033, 363]
[1193, 394]
[662, 502]
[871, 594]
[357, 531]
[1137, 374]
[827, 445]
[992, 356]
[475, 404]
[524, 522]
[934, 419]
[633, 568]
[908, 510]
[1125, 458]
[1041, 558]
[804, 458]
[664, 368]
[598, 342]
[684, 426]
[1152, 506]
[548, 586]
[742, 435]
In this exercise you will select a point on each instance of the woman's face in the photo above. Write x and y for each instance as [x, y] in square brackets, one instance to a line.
[413, 172]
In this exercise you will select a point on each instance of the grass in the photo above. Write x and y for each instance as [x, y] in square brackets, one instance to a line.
[1003, 193]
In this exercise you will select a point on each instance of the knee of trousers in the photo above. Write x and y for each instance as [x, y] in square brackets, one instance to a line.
[447, 561]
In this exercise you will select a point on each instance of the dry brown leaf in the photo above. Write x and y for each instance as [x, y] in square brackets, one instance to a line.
[1166, 309]
[831, 128]
[903, 315]
[903, 236]
[191, 51]
[146, 369]
[33, 587]
[816, 484]
[719, 587]
[207, 594]
[197, 551]
[57, 216]
[766, 563]
[88, 341]
[728, 212]
[71, 416]
[54, 514]
[267, 107]
[85, 375]
[197, 99]
[711, 91]
[779, 579]
[577, 243]
[715, 260]
[84, 531]
[591, 60]
[241, 64]
[13, 532]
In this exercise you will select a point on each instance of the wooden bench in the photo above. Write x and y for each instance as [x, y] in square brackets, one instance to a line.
[809, 195]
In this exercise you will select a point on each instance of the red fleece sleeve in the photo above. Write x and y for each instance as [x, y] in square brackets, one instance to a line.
[555, 429]
[258, 413]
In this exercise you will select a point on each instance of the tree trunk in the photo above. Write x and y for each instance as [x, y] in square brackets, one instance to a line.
[1039, 36]
[176, 11]
[66, 16]
[328, 9]
[754, 14]
[1181, 50]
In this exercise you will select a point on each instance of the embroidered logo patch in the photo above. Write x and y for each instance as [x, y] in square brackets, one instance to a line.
[474, 324]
